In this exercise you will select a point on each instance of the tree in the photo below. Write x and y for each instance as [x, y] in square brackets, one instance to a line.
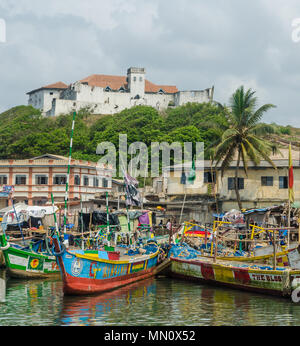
[243, 135]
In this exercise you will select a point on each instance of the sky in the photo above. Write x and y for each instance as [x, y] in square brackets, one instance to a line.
[193, 44]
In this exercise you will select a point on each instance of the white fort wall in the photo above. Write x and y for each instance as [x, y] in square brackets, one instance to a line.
[101, 99]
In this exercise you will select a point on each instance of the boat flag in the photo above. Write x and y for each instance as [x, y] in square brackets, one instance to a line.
[132, 192]
[291, 177]
[192, 173]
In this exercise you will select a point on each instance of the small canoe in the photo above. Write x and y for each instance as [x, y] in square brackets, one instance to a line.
[97, 271]
[22, 262]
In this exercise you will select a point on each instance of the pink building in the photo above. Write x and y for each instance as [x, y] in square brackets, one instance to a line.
[35, 179]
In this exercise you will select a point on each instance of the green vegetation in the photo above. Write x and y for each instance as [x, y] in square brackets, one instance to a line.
[25, 133]
[244, 135]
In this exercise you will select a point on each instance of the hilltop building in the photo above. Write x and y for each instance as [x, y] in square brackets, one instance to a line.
[106, 94]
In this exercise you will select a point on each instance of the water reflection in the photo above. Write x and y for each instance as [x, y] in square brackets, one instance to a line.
[160, 301]
[108, 308]
[2, 286]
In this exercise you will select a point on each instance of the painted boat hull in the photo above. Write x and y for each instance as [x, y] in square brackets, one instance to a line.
[87, 274]
[29, 265]
[273, 282]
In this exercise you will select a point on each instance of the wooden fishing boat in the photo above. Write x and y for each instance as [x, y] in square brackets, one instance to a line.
[23, 262]
[97, 271]
[261, 253]
[251, 277]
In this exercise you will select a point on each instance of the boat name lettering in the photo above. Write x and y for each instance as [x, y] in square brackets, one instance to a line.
[263, 277]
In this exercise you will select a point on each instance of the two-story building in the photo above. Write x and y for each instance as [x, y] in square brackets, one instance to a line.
[35, 179]
[263, 186]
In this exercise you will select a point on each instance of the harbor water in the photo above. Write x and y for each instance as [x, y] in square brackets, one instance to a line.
[159, 301]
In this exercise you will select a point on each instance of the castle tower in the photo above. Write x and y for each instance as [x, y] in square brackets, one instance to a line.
[136, 82]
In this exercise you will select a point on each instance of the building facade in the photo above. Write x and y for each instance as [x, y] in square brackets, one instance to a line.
[263, 186]
[106, 94]
[34, 180]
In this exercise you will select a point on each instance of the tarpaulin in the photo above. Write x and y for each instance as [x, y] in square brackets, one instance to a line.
[98, 218]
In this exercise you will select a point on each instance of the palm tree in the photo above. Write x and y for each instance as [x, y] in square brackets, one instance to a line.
[243, 135]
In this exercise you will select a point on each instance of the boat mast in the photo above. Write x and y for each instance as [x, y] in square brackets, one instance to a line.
[68, 174]
[54, 213]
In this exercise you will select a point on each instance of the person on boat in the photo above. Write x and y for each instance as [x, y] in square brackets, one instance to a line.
[169, 225]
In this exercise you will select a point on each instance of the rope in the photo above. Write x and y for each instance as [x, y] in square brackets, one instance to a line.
[5, 247]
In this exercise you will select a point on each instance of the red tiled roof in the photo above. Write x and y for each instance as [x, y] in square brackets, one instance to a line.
[57, 85]
[153, 88]
[100, 80]
[116, 82]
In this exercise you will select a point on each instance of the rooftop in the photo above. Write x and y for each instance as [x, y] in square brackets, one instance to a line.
[116, 82]
[55, 86]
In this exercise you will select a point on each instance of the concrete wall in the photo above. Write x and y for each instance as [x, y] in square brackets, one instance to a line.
[253, 194]
[79, 96]
[183, 97]
[42, 99]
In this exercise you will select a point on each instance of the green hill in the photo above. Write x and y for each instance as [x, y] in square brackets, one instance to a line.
[25, 133]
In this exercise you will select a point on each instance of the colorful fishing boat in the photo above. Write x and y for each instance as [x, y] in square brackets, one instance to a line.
[262, 252]
[97, 271]
[188, 264]
[27, 261]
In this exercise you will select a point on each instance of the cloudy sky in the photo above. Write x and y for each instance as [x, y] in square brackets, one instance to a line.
[192, 44]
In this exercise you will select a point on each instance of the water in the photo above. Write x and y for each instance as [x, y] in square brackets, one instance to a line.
[159, 301]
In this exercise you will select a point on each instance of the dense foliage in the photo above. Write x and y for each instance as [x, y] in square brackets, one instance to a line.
[25, 133]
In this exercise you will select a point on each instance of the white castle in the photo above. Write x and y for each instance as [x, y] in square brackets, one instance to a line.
[105, 94]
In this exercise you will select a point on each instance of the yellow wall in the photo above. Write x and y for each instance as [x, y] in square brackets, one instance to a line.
[253, 190]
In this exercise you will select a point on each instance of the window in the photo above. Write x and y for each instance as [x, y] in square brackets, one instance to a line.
[283, 182]
[266, 181]
[20, 179]
[77, 180]
[41, 180]
[141, 79]
[104, 182]
[59, 180]
[209, 177]
[95, 182]
[51, 93]
[86, 181]
[3, 179]
[231, 183]
[134, 79]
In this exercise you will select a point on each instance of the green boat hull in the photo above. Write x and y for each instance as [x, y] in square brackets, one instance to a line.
[27, 264]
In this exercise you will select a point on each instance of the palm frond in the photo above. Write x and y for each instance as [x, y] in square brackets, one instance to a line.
[257, 115]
